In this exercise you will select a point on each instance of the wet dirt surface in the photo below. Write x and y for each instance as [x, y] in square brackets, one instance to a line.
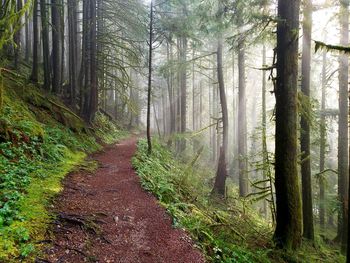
[106, 216]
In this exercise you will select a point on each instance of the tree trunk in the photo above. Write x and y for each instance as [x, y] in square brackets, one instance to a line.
[149, 90]
[193, 96]
[183, 88]
[171, 94]
[27, 35]
[308, 225]
[266, 165]
[17, 36]
[215, 129]
[73, 51]
[242, 123]
[35, 75]
[343, 171]
[289, 224]
[221, 174]
[86, 63]
[93, 61]
[45, 41]
[56, 46]
[323, 142]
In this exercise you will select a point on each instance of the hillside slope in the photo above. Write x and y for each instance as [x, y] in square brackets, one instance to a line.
[41, 140]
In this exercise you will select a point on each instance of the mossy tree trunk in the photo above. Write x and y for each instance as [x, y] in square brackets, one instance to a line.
[35, 71]
[288, 203]
[17, 37]
[45, 41]
[308, 225]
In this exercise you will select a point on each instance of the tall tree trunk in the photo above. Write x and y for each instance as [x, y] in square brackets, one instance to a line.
[171, 94]
[242, 122]
[45, 41]
[183, 88]
[266, 165]
[73, 51]
[214, 115]
[100, 51]
[86, 63]
[289, 224]
[17, 36]
[343, 171]
[149, 90]
[308, 225]
[93, 61]
[193, 94]
[221, 174]
[178, 96]
[56, 46]
[63, 17]
[35, 75]
[27, 35]
[323, 141]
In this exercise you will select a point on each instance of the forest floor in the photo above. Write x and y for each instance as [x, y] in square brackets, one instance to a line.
[106, 216]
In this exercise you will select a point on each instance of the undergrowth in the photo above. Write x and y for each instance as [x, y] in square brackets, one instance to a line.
[226, 231]
[40, 142]
[184, 193]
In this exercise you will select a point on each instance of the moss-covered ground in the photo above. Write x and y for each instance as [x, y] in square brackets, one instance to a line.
[41, 141]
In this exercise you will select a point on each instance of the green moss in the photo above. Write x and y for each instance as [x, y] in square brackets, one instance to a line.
[40, 142]
[106, 130]
[27, 233]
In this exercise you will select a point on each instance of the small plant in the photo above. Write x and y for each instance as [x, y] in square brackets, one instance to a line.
[184, 193]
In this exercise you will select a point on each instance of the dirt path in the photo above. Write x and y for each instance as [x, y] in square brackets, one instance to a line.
[107, 217]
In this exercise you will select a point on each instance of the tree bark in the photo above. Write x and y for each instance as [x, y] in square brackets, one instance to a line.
[45, 41]
[171, 94]
[183, 89]
[93, 60]
[86, 63]
[308, 225]
[221, 174]
[73, 51]
[35, 75]
[323, 142]
[242, 122]
[17, 37]
[27, 35]
[149, 90]
[289, 224]
[56, 46]
[343, 171]
[266, 165]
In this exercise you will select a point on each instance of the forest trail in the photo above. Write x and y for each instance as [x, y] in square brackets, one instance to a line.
[106, 216]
